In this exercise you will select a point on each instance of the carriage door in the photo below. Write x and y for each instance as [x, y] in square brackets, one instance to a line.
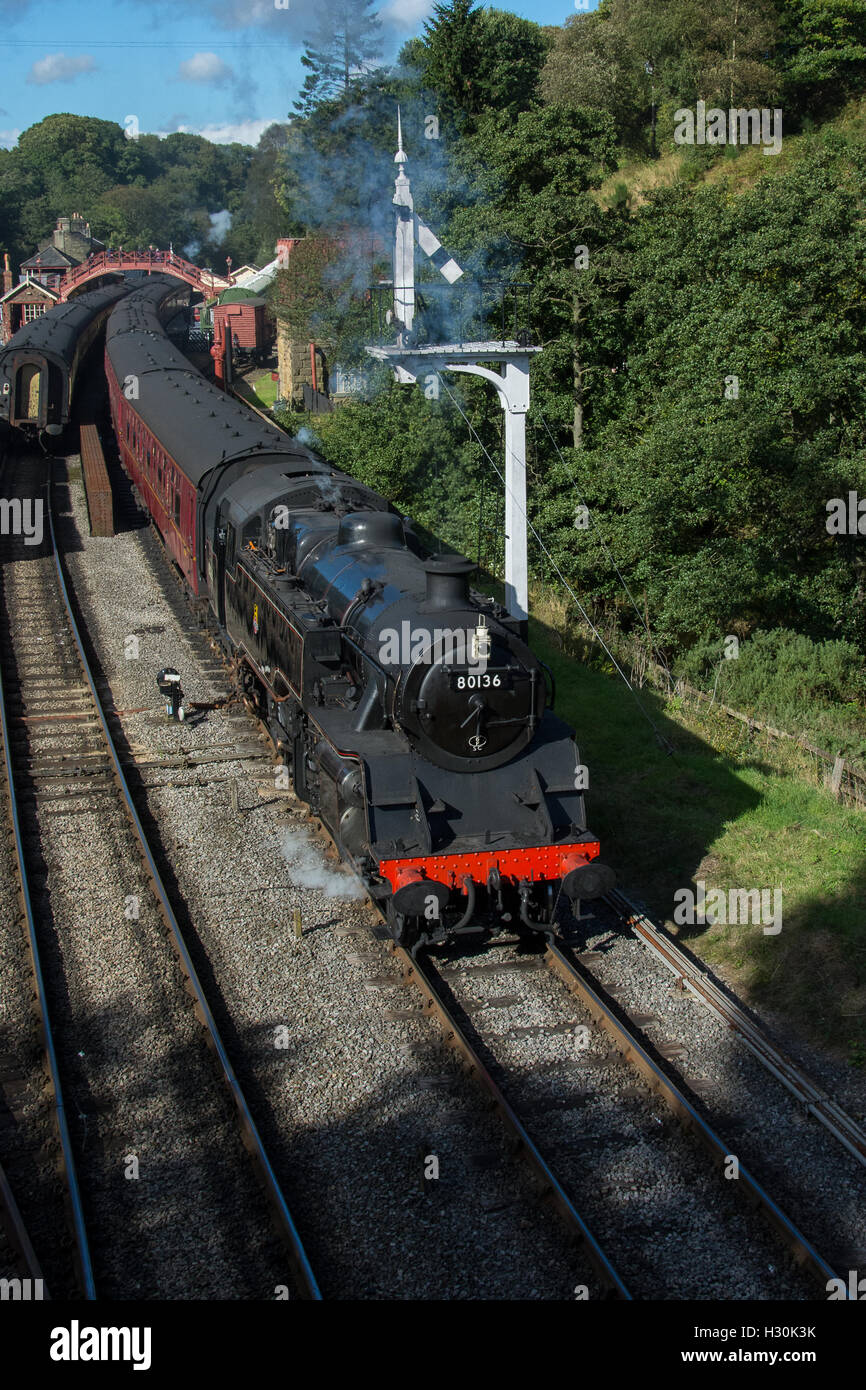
[56, 408]
[28, 390]
[220, 547]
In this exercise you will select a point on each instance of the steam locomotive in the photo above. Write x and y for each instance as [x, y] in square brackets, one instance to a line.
[417, 723]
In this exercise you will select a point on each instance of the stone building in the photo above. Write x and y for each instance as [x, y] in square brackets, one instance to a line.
[72, 237]
[303, 371]
[41, 276]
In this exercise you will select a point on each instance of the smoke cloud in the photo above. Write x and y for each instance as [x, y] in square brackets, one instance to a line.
[220, 225]
[307, 869]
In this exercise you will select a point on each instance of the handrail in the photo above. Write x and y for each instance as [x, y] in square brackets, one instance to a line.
[152, 260]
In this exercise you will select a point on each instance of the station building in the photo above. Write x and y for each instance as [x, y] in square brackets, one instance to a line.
[41, 276]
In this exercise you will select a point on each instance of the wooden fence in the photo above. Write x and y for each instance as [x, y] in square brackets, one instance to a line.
[844, 779]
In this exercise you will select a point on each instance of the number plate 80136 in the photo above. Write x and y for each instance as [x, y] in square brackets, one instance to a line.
[495, 678]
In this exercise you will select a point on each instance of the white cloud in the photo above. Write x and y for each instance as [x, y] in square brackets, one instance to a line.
[59, 67]
[8, 138]
[406, 14]
[243, 132]
[205, 67]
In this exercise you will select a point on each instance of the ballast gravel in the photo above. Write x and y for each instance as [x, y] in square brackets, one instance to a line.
[812, 1177]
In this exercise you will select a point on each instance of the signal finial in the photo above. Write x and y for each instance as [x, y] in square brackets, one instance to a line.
[400, 156]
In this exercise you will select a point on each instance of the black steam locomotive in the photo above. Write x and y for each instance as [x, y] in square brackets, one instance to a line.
[416, 721]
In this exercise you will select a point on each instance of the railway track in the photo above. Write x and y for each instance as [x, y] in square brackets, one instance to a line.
[456, 1036]
[560, 1091]
[60, 757]
[693, 977]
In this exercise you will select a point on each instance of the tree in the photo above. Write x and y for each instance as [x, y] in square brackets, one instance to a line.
[75, 158]
[477, 60]
[452, 46]
[528, 214]
[592, 64]
[344, 45]
[740, 410]
[824, 51]
[717, 50]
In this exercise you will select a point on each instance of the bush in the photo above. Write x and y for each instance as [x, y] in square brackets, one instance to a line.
[784, 677]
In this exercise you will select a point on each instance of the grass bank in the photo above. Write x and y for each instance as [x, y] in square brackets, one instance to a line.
[725, 810]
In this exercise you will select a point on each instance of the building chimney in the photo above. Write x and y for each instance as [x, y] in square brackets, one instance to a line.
[7, 273]
[284, 249]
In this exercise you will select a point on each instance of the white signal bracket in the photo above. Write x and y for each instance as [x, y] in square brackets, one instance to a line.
[512, 386]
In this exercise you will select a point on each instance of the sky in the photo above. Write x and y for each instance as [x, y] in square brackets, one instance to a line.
[225, 69]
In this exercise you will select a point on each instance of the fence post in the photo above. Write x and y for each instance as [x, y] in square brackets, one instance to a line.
[836, 777]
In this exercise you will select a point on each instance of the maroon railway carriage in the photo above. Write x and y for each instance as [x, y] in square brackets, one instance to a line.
[166, 491]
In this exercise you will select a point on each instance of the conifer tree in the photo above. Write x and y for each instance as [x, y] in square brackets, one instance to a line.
[344, 45]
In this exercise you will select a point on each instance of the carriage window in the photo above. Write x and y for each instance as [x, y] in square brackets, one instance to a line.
[177, 508]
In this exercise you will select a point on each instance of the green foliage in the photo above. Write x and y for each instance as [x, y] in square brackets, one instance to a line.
[786, 678]
[824, 50]
[616, 58]
[477, 61]
[315, 298]
[139, 191]
[715, 506]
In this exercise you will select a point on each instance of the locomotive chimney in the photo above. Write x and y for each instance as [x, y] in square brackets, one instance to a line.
[448, 581]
